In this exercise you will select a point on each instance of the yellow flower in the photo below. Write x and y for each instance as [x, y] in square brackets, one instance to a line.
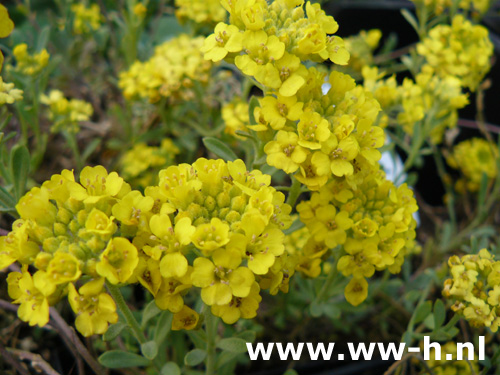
[169, 296]
[211, 236]
[285, 152]
[28, 292]
[341, 154]
[95, 309]
[235, 116]
[186, 319]
[225, 39]
[222, 279]
[278, 110]
[9, 94]
[239, 307]
[474, 157]
[6, 27]
[170, 73]
[200, 11]
[63, 268]
[66, 114]
[29, 64]
[118, 261]
[356, 291]
[262, 51]
[96, 184]
[86, 19]
[313, 130]
[462, 50]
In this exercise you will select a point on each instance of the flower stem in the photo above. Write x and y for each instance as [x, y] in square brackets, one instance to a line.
[129, 317]
[73, 145]
[211, 323]
[326, 285]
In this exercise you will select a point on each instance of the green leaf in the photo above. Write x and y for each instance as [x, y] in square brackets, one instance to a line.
[149, 349]
[6, 199]
[248, 336]
[113, 331]
[254, 102]
[122, 359]
[195, 357]
[90, 148]
[150, 311]
[43, 38]
[226, 357]
[410, 18]
[233, 345]
[219, 148]
[290, 372]
[429, 322]
[316, 309]
[198, 337]
[19, 169]
[439, 313]
[163, 327]
[422, 311]
[170, 368]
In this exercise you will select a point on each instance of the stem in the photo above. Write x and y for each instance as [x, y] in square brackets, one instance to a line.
[326, 286]
[294, 193]
[73, 145]
[129, 317]
[211, 323]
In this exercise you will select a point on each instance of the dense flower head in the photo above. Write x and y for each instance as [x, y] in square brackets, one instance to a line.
[318, 136]
[9, 94]
[66, 114]
[171, 72]
[373, 225]
[140, 165]
[473, 157]
[210, 225]
[230, 218]
[86, 18]
[205, 12]
[429, 101]
[269, 41]
[478, 7]
[474, 287]
[29, 64]
[462, 50]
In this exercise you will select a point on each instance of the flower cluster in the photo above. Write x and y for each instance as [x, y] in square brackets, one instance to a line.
[176, 66]
[86, 19]
[361, 47]
[205, 12]
[29, 64]
[462, 50]
[474, 286]
[473, 157]
[374, 224]
[429, 102]
[210, 225]
[9, 94]
[439, 6]
[140, 165]
[235, 116]
[269, 41]
[217, 227]
[66, 114]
